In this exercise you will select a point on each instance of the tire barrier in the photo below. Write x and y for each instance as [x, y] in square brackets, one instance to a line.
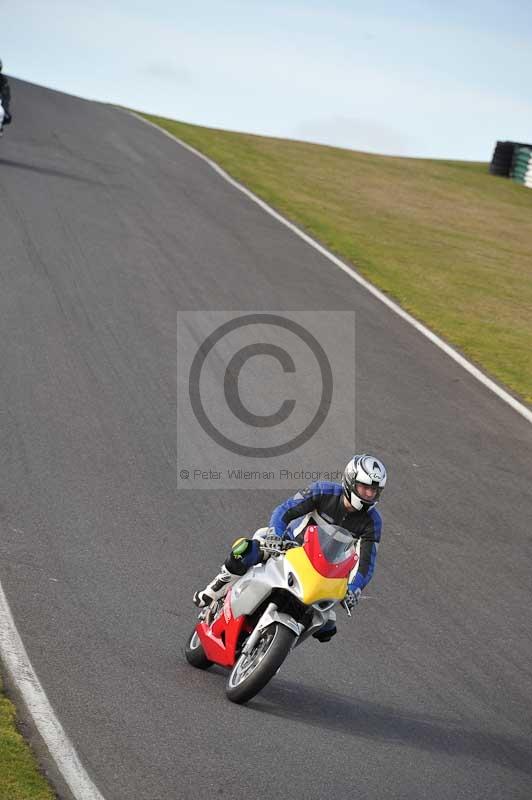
[501, 163]
[522, 166]
[513, 160]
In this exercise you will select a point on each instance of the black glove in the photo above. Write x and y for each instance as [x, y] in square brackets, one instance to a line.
[351, 599]
[278, 543]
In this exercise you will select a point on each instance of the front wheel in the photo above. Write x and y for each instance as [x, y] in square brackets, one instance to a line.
[194, 652]
[253, 670]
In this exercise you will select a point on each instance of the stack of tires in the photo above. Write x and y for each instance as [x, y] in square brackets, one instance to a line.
[512, 160]
[501, 163]
[522, 166]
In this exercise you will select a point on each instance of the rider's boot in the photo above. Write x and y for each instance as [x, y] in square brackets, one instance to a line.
[326, 632]
[216, 589]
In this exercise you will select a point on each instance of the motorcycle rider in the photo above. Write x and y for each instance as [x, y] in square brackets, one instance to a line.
[350, 505]
[5, 99]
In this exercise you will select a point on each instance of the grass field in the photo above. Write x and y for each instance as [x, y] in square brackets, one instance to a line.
[451, 243]
[20, 778]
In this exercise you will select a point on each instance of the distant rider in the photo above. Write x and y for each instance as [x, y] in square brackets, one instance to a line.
[350, 505]
[5, 99]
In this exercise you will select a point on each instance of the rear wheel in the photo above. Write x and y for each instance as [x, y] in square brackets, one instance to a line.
[194, 652]
[253, 670]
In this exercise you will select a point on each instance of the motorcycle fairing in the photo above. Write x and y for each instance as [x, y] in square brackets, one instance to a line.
[333, 556]
[257, 585]
[313, 587]
[219, 640]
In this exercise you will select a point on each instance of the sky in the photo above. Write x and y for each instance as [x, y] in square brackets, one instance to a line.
[439, 78]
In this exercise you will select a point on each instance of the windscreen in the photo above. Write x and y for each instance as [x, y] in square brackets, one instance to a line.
[336, 544]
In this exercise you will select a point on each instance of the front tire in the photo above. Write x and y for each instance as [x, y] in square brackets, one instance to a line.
[253, 670]
[194, 652]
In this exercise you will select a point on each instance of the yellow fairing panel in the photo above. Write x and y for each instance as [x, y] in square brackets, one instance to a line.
[314, 586]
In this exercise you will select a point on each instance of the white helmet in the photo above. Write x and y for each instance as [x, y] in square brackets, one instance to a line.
[362, 474]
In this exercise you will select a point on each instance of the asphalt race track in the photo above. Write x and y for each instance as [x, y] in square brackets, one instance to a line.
[107, 228]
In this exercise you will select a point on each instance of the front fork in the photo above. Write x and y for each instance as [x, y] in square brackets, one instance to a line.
[271, 615]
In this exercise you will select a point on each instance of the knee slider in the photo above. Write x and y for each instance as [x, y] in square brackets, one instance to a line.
[234, 565]
[244, 554]
[240, 547]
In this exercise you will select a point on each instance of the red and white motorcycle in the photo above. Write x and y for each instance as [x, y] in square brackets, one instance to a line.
[274, 607]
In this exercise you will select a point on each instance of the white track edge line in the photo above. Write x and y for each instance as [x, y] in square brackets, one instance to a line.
[450, 351]
[22, 674]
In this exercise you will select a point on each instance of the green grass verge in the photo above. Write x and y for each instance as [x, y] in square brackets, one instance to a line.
[451, 243]
[20, 778]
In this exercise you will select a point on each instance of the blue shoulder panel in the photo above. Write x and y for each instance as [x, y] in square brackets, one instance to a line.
[304, 501]
[361, 580]
[328, 487]
[377, 523]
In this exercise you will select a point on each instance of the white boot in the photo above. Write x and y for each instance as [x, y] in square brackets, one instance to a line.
[216, 589]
